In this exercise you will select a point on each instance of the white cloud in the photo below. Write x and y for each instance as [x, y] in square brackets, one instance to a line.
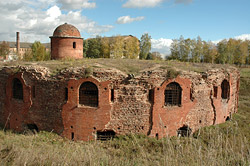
[243, 37]
[161, 45]
[76, 4]
[240, 37]
[53, 13]
[36, 22]
[128, 19]
[141, 3]
[183, 1]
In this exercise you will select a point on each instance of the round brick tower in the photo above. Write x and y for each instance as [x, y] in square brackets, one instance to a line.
[66, 42]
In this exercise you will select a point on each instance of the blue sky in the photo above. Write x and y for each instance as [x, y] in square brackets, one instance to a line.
[164, 20]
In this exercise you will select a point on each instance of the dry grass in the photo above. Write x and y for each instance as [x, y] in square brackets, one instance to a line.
[128, 66]
[224, 144]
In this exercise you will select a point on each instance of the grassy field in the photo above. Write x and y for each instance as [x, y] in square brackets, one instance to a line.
[224, 144]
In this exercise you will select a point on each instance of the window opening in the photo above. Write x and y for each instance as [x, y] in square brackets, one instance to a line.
[105, 135]
[184, 131]
[173, 94]
[157, 136]
[112, 95]
[74, 44]
[17, 89]
[88, 94]
[228, 118]
[72, 136]
[191, 95]
[66, 94]
[151, 95]
[34, 91]
[225, 90]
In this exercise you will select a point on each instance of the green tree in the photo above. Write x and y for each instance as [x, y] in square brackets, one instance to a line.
[209, 51]
[241, 53]
[232, 45]
[187, 50]
[131, 49]
[174, 48]
[116, 46]
[38, 53]
[197, 52]
[85, 48]
[94, 47]
[145, 45]
[4, 49]
[105, 47]
[222, 48]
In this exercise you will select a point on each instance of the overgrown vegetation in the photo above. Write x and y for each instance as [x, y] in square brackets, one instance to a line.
[224, 144]
[129, 66]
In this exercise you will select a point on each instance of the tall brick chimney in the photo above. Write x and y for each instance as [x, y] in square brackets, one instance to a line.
[17, 42]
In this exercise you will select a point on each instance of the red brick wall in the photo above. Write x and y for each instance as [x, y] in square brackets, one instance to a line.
[82, 120]
[15, 110]
[167, 119]
[131, 111]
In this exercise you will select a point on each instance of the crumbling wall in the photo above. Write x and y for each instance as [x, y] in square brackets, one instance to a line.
[126, 103]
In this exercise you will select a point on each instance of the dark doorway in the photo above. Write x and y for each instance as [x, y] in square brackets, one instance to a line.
[184, 131]
[105, 135]
[17, 89]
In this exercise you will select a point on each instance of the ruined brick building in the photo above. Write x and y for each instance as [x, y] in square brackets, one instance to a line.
[83, 105]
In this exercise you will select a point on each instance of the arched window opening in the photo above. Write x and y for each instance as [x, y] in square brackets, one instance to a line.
[225, 90]
[17, 89]
[105, 135]
[88, 94]
[184, 131]
[173, 94]
[74, 44]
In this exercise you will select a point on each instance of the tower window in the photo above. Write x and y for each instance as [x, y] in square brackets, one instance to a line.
[74, 44]
[225, 90]
[88, 94]
[173, 94]
[17, 89]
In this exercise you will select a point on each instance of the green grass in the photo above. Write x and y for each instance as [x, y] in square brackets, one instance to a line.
[223, 144]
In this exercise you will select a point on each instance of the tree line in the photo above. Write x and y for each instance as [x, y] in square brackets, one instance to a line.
[231, 51]
[111, 47]
[37, 53]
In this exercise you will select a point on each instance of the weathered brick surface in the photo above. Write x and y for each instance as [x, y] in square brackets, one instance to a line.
[131, 110]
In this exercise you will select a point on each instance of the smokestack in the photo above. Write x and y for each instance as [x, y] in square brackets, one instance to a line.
[17, 42]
